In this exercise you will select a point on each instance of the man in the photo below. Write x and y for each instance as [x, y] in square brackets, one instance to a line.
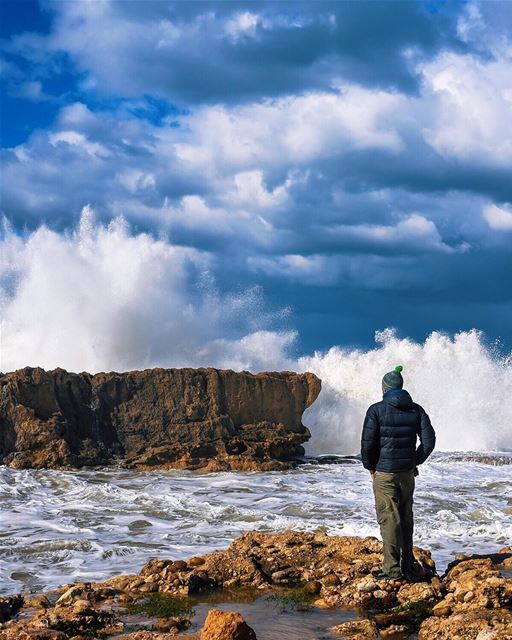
[388, 451]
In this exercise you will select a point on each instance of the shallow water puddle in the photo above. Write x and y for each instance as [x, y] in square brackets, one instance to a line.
[269, 623]
[265, 616]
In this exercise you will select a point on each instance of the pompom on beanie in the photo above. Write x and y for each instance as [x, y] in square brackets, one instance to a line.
[393, 379]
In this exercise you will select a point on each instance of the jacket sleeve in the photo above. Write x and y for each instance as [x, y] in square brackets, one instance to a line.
[427, 437]
[370, 440]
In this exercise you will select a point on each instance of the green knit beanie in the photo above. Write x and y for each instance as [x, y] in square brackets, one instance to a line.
[393, 379]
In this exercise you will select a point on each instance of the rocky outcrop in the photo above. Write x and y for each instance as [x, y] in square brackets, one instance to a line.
[477, 600]
[471, 601]
[169, 418]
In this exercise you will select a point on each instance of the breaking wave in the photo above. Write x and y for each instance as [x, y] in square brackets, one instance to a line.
[464, 384]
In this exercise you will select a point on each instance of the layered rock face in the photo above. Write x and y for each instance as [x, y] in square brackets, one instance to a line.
[169, 418]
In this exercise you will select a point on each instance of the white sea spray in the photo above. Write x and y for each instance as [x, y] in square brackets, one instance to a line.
[464, 384]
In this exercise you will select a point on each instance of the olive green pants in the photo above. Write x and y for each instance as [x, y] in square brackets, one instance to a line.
[393, 503]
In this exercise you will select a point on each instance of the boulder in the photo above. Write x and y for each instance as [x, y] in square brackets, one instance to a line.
[357, 630]
[206, 419]
[9, 605]
[226, 625]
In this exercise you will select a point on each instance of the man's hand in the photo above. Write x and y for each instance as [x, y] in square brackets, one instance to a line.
[372, 473]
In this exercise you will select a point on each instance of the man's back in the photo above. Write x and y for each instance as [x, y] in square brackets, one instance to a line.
[388, 450]
[390, 432]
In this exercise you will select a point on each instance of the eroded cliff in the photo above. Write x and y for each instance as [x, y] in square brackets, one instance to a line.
[176, 418]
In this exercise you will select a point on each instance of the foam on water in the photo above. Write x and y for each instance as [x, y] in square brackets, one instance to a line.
[463, 383]
[63, 526]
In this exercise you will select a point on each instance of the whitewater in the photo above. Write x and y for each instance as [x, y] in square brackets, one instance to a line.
[59, 527]
[126, 301]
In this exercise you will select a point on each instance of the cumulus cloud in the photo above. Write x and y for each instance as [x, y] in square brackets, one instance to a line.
[295, 130]
[472, 101]
[498, 218]
[226, 51]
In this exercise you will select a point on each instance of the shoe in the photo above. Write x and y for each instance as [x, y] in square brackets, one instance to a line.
[380, 575]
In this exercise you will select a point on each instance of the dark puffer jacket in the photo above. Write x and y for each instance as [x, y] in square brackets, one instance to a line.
[390, 430]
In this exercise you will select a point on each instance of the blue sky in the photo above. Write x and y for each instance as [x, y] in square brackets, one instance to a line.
[339, 167]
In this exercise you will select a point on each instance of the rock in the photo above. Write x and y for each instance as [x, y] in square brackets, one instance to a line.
[385, 620]
[260, 561]
[170, 418]
[441, 610]
[471, 601]
[39, 602]
[175, 624]
[226, 625]
[36, 634]
[199, 581]
[68, 595]
[477, 624]
[331, 580]
[357, 630]
[313, 587]
[416, 593]
[9, 605]
[196, 561]
[83, 619]
[152, 635]
[395, 631]
[285, 576]
[474, 584]
[367, 585]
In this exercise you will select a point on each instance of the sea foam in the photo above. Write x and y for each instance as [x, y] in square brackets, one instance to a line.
[464, 384]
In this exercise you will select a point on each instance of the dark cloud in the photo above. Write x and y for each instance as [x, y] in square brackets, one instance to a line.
[232, 51]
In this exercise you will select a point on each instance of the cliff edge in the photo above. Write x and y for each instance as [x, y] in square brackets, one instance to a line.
[206, 419]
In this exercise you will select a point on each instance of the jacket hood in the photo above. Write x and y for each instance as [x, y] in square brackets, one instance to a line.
[399, 398]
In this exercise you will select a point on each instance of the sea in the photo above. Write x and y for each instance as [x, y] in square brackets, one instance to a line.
[57, 527]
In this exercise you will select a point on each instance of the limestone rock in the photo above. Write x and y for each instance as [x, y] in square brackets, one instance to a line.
[226, 625]
[476, 584]
[481, 624]
[169, 418]
[357, 630]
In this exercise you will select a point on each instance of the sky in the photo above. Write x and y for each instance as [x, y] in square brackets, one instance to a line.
[185, 179]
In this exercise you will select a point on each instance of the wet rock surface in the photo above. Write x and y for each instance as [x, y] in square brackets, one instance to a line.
[473, 600]
[206, 419]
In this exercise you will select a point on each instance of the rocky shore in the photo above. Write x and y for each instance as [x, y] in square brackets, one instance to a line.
[207, 419]
[471, 601]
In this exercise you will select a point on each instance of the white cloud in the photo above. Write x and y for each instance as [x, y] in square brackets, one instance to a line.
[469, 104]
[498, 218]
[316, 269]
[412, 233]
[296, 129]
[242, 24]
[79, 140]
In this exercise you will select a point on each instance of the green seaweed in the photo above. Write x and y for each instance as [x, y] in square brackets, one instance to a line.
[160, 605]
[421, 610]
[297, 599]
